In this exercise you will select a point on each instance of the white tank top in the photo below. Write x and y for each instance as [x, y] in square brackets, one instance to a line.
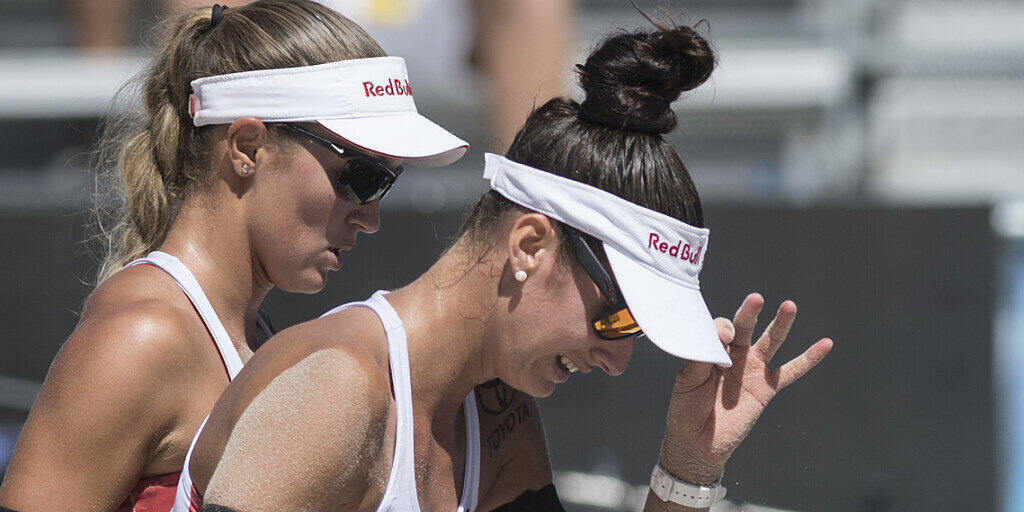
[228, 353]
[400, 494]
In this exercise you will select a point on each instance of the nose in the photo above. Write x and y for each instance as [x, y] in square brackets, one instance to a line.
[613, 356]
[366, 217]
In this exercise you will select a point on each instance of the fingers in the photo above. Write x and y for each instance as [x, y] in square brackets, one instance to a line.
[776, 333]
[746, 319]
[800, 365]
[726, 331]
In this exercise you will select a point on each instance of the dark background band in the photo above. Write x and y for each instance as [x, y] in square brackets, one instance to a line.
[903, 406]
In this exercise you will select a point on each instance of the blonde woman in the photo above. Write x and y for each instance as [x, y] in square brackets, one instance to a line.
[264, 153]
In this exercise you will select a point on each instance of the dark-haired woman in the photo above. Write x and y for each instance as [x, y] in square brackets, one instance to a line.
[271, 132]
[592, 232]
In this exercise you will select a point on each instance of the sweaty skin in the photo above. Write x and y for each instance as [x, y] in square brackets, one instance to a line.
[290, 407]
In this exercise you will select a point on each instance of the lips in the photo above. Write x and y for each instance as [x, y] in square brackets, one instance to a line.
[336, 252]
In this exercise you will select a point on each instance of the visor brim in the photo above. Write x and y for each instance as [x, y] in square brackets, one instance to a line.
[673, 316]
[411, 137]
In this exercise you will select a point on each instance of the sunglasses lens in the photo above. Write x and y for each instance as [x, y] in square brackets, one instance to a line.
[617, 325]
[365, 179]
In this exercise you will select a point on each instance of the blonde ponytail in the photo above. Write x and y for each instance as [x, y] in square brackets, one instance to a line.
[147, 199]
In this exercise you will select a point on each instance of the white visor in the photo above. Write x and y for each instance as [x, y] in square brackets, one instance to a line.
[655, 258]
[367, 102]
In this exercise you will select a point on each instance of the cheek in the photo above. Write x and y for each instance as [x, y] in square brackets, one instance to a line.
[557, 321]
[293, 210]
[587, 303]
[313, 208]
[301, 201]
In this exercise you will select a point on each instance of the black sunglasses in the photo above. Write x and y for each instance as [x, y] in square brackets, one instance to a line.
[615, 321]
[364, 179]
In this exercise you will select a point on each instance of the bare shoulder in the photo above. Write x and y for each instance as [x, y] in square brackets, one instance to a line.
[342, 353]
[514, 444]
[137, 325]
[133, 339]
[315, 400]
[321, 383]
[308, 437]
[112, 395]
[333, 371]
[317, 360]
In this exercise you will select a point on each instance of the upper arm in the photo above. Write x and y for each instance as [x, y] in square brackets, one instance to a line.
[309, 439]
[101, 413]
[513, 438]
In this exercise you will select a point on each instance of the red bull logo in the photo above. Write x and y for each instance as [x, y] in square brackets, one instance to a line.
[393, 87]
[680, 250]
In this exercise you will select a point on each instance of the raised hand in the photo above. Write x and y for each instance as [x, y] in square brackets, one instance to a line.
[713, 408]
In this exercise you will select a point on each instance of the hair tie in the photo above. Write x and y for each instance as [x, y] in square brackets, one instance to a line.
[218, 14]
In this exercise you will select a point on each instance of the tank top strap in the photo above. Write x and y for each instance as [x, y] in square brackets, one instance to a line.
[398, 354]
[188, 283]
[400, 494]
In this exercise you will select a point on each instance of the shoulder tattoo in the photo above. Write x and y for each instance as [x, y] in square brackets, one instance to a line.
[495, 397]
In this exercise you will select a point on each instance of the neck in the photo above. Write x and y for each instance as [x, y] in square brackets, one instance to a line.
[446, 313]
[214, 245]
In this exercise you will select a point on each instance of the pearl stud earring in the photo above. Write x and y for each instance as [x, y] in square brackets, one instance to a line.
[245, 169]
[521, 275]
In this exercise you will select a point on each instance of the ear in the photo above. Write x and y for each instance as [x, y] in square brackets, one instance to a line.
[246, 136]
[531, 239]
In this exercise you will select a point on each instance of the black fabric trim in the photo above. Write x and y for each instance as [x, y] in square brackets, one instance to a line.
[217, 508]
[5, 509]
[544, 499]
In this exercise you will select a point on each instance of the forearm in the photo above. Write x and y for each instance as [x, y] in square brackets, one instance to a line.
[524, 48]
[31, 479]
[101, 26]
[92, 474]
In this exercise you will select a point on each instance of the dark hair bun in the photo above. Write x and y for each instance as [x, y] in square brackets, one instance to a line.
[632, 79]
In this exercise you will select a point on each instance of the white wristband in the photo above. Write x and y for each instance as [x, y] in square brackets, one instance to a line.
[668, 488]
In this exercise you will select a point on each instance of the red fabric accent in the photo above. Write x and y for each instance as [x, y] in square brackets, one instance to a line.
[154, 494]
[195, 501]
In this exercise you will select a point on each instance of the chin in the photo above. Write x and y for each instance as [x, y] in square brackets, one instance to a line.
[543, 390]
[309, 282]
[537, 388]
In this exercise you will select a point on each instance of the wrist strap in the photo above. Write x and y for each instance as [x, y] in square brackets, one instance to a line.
[669, 488]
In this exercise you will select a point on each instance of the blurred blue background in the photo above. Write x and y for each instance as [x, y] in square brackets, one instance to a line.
[862, 157]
